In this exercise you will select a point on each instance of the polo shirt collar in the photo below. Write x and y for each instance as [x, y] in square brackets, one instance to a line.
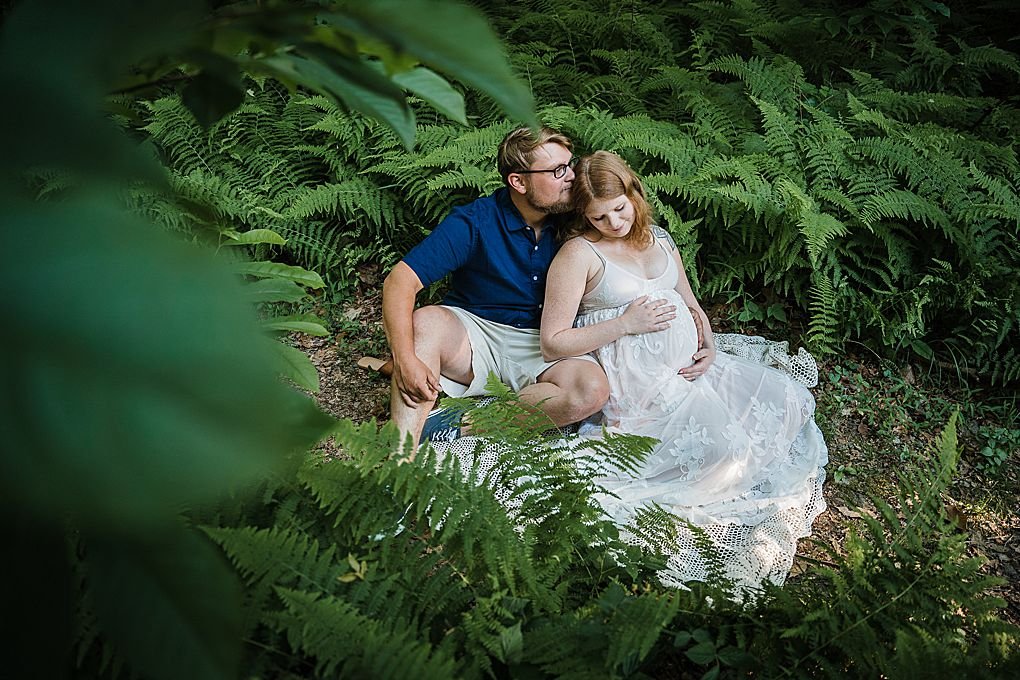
[514, 221]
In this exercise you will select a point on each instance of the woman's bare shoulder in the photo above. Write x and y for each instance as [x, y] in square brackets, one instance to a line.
[576, 248]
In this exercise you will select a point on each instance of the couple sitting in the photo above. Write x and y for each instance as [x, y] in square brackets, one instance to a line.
[563, 287]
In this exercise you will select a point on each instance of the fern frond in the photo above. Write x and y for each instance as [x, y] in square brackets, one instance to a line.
[625, 626]
[777, 82]
[657, 528]
[481, 180]
[906, 205]
[985, 58]
[818, 228]
[270, 557]
[357, 200]
[823, 330]
[464, 515]
[177, 132]
[344, 642]
[1002, 368]
[826, 163]
[1005, 198]
[780, 132]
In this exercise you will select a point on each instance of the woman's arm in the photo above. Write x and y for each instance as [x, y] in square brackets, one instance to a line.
[568, 277]
[705, 355]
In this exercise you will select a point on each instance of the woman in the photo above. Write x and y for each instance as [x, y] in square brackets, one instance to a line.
[739, 453]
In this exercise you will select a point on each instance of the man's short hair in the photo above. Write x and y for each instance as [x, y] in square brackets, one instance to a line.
[517, 150]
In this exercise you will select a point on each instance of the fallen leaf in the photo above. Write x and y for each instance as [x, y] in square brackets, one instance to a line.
[957, 516]
[847, 512]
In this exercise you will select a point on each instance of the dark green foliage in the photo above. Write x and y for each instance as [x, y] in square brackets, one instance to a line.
[813, 163]
[279, 163]
[900, 584]
[138, 386]
[274, 164]
[879, 202]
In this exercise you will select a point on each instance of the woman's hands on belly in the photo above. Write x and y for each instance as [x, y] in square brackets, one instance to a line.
[669, 349]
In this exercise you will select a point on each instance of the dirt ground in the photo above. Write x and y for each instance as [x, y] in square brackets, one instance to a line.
[985, 509]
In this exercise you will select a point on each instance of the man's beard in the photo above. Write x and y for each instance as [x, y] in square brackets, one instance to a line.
[557, 208]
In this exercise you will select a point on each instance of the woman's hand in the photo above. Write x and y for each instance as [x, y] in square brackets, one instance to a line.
[703, 358]
[647, 316]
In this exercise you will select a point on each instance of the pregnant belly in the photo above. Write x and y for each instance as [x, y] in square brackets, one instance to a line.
[670, 349]
[680, 340]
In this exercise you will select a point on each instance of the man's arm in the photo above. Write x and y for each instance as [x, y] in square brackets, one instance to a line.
[412, 377]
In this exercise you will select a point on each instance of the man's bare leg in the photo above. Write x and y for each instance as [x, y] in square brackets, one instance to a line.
[441, 343]
[569, 391]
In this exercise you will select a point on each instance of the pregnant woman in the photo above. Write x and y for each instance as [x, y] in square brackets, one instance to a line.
[739, 455]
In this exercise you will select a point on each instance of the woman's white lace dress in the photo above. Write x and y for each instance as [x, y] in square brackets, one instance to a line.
[739, 455]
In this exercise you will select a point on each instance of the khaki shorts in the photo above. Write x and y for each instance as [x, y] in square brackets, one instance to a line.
[513, 354]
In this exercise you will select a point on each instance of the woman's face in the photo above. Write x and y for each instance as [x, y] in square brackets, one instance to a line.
[612, 217]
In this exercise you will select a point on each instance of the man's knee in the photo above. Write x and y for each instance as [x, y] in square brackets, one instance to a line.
[441, 340]
[592, 393]
[584, 384]
[430, 316]
[433, 326]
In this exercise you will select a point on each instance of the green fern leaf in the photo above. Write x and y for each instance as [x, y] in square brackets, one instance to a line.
[344, 642]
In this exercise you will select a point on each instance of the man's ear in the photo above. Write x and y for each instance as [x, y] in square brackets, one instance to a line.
[516, 183]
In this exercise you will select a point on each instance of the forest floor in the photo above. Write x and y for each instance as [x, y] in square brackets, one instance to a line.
[875, 417]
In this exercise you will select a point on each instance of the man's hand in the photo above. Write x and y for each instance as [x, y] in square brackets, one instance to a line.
[416, 382]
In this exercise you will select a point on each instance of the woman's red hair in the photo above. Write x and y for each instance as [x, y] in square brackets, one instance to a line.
[603, 176]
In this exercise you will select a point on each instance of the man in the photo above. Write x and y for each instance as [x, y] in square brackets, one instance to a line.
[498, 249]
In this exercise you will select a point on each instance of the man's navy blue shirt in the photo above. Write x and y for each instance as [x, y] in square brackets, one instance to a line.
[498, 269]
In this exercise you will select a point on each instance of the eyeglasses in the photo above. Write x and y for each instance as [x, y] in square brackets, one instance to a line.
[558, 172]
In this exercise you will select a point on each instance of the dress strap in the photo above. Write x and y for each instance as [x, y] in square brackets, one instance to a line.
[663, 238]
[662, 246]
[602, 259]
[592, 245]
[600, 255]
